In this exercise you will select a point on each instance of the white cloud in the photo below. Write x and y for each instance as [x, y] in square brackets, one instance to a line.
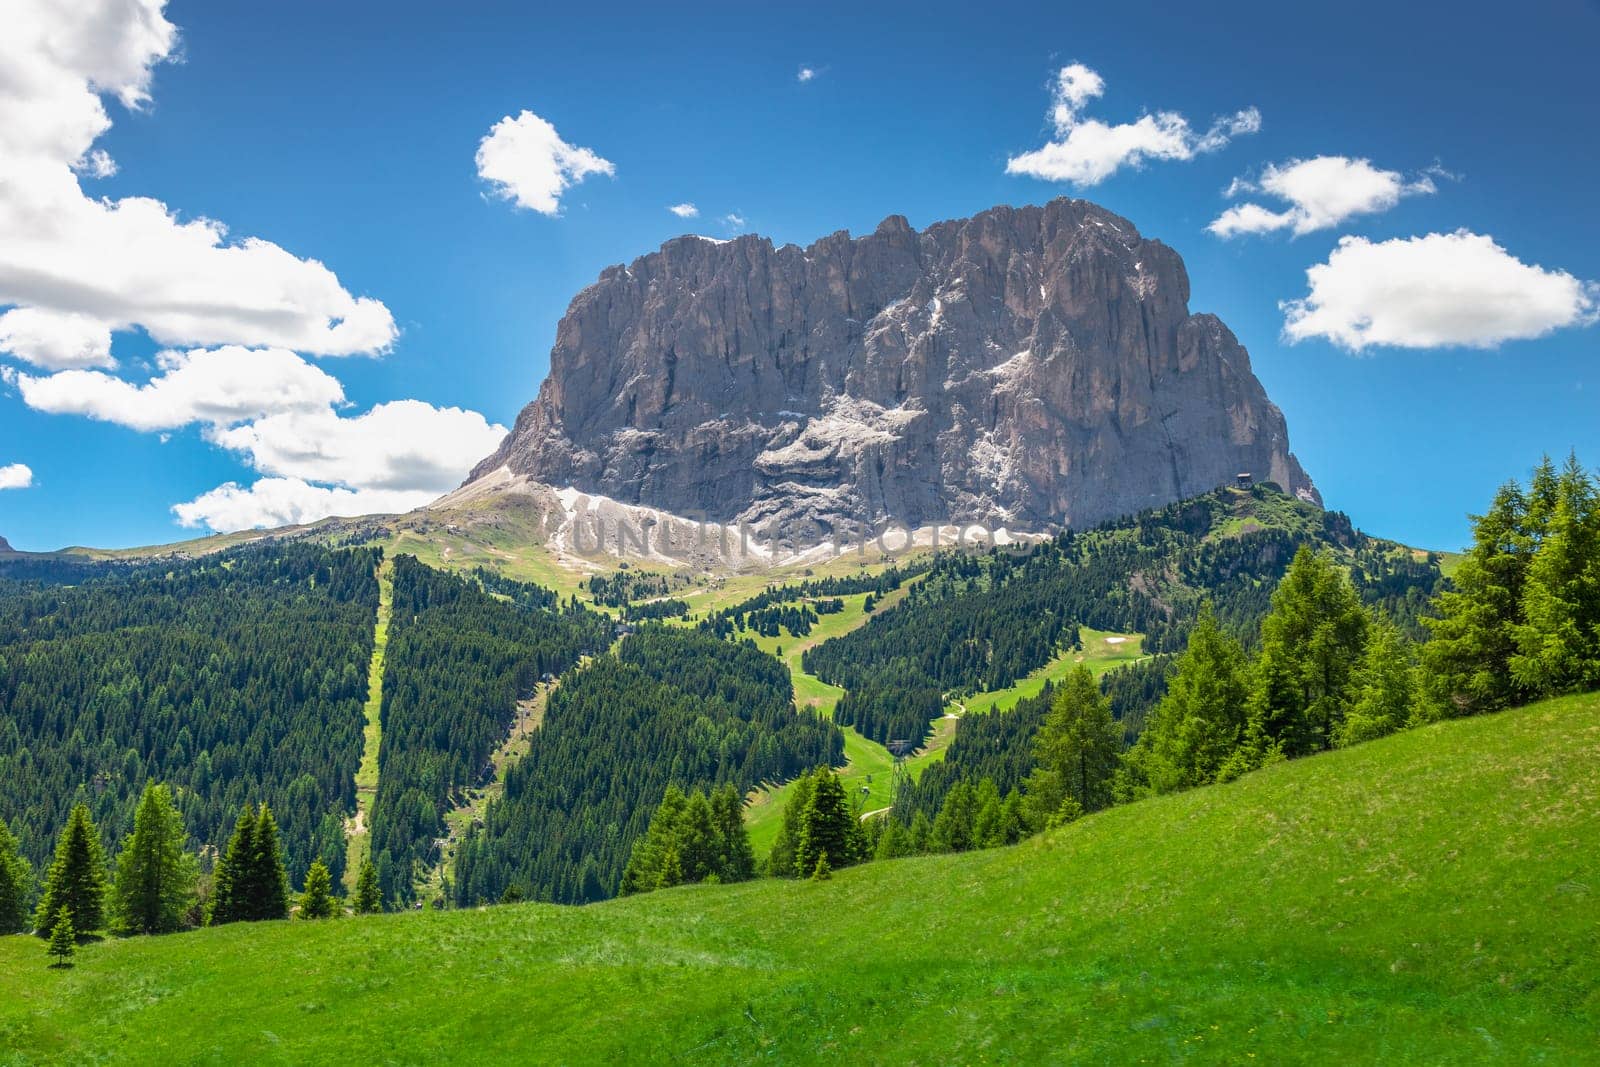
[54, 339]
[394, 458]
[733, 220]
[217, 386]
[805, 74]
[685, 211]
[1321, 193]
[1435, 291]
[528, 163]
[272, 502]
[401, 445]
[1086, 151]
[101, 264]
[15, 476]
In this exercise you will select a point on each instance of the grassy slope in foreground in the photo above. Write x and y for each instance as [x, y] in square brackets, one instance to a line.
[1426, 898]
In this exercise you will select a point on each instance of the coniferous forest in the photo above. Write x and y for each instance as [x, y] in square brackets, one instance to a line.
[672, 707]
[237, 678]
[459, 659]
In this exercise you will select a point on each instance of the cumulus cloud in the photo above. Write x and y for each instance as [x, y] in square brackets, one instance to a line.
[733, 220]
[1320, 194]
[685, 210]
[282, 416]
[1086, 151]
[1439, 290]
[805, 74]
[398, 446]
[54, 339]
[528, 163]
[396, 457]
[217, 386]
[15, 476]
[83, 267]
[272, 502]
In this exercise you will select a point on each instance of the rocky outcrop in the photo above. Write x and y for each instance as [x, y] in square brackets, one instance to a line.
[5, 546]
[1028, 367]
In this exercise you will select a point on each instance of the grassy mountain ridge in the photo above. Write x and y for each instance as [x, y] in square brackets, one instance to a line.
[1425, 898]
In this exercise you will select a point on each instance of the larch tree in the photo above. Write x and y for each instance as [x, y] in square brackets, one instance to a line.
[1385, 687]
[155, 884]
[1076, 751]
[369, 895]
[1201, 725]
[317, 900]
[1310, 644]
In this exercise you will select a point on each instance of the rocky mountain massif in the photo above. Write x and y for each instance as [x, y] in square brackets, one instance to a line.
[1028, 367]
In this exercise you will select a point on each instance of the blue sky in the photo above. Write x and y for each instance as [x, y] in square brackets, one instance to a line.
[346, 134]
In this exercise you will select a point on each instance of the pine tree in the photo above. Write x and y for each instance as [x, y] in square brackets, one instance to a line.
[76, 880]
[63, 938]
[155, 883]
[369, 899]
[16, 885]
[1310, 643]
[317, 900]
[1384, 687]
[1076, 751]
[1200, 724]
[1467, 663]
[825, 829]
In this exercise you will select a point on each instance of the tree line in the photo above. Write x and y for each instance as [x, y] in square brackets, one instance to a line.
[156, 885]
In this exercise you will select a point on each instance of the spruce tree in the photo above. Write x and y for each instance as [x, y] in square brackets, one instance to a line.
[781, 861]
[16, 885]
[1200, 724]
[317, 900]
[1384, 687]
[1558, 639]
[270, 878]
[825, 829]
[232, 891]
[76, 880]
[155, 883]
[1076, 751]
[369, 899]
[1310, 643]
[63, 938]
[738, 861]
[1467, 663]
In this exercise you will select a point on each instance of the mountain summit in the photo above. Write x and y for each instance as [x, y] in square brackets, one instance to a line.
[1029, 367]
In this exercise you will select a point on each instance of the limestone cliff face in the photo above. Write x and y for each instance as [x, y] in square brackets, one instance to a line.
[1030, 367]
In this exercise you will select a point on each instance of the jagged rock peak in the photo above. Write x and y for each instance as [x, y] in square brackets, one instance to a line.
[1034, 366]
